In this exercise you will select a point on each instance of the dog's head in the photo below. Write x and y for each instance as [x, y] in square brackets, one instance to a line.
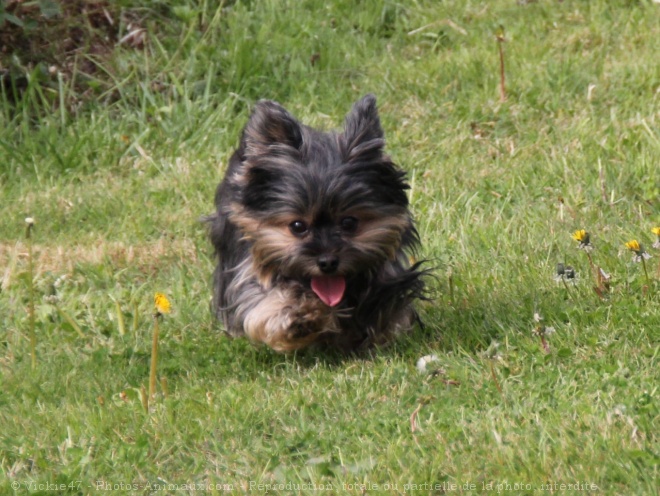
[321, 208]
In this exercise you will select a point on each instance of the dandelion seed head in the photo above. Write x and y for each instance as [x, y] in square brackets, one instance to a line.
[565, 273]
[51, 299]
[423, 362]
[543, 331]
[642, 256]
[493, 351]
[60, 280]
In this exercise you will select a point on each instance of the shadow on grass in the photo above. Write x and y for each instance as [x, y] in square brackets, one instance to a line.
[469, 327]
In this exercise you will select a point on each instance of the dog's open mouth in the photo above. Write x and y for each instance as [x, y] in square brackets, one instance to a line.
[330, 289]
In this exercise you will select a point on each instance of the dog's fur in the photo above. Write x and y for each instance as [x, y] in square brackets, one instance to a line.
[300, 210]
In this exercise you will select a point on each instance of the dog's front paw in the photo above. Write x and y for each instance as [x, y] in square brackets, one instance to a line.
[288, 321]
[310, 317]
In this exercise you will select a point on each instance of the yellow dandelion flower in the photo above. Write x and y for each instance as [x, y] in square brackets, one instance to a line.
[639, 252]
[656, 231]
[633, 245]
[162, 303]
[582, 237]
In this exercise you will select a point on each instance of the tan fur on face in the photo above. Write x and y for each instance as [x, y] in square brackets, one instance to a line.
[271, 245]
[272, 240]
[381, 236]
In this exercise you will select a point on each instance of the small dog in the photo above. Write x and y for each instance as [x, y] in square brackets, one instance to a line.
[312, 232]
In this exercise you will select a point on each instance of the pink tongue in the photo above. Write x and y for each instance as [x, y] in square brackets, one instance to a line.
[329, 288]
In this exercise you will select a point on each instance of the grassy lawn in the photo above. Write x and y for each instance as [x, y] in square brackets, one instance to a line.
[117, 165]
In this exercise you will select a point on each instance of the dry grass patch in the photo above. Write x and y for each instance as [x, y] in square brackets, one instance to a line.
[64, 258]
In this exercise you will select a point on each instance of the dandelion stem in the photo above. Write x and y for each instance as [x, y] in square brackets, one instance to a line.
[135, 317]
[163, 386]
[121, 327]
[591, 262]
[144, 398]
[72, 322]
[33, 335]
[413, 418]
[500, 41]
[544, 343]
[594, 271]
[154, 358]
[646, 273]
[492, 373]
[451, 288]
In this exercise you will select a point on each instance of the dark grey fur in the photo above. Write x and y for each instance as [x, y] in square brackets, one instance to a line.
[285, 169]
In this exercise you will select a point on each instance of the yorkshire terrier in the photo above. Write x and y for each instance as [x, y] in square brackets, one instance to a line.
[313, 235]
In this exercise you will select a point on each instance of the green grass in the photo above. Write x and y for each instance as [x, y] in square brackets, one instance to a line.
[117, 184]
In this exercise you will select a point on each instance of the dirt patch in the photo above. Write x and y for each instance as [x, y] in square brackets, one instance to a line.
[46, 41]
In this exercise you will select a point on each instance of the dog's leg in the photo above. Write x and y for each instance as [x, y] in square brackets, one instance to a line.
[286, 321]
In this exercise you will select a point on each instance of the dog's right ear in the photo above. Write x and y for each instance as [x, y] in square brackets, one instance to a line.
[363, 134]
[269, 125]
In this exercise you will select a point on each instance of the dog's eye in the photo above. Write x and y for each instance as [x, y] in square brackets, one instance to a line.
[298, 227]
[349, 224]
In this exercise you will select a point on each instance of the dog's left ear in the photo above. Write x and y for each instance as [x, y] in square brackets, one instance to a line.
[362, 131]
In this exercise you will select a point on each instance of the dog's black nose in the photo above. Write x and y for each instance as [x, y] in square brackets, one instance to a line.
[328, 263]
